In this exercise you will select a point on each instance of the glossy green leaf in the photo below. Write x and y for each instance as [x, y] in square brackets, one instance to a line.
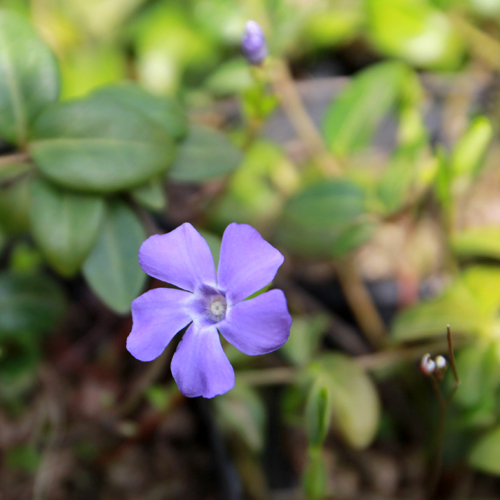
[64, 224]
[163, 110]
[204, 154]
[99, 144]
[326, 219]
[29, 302]
[484, 454]
[353, 117]
[150, 195]
[29, 77]
[354, 399]
[112, 268]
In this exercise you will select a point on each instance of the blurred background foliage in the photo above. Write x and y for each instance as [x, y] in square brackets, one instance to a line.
[365, 149]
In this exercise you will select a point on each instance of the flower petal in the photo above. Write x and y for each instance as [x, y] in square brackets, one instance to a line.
[247, 262]
[199, 366]
[181, 257]
[157, 316]
[259, 325]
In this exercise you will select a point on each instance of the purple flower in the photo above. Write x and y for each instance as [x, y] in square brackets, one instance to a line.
[209, 303]
[253, 43]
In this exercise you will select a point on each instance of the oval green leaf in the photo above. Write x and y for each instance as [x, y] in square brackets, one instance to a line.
[162, 109]
[327, 219]
[204, 154]
[64, 224]
[112, 268]
[353, 117]
[353, 396]
[99, 145]
[484, 454]
[29, 77]
[29, 302]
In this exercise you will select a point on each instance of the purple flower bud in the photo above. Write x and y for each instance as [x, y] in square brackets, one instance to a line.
[253, 43]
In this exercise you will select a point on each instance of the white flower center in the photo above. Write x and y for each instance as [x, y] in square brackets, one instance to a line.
[217, 308]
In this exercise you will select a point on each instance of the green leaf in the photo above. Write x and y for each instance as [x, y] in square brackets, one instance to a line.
[404, 169]
[479, 370]
[204, 154]
[326, 219]
[315, 476]
[150, 195]
[23, 457]
[64, 224]
[163, 110]
[99, 144]
[481, 242]
[29, 77]
[470, 150]
[89, 66]
[214, 242]
[230, 78]
[354, 400]
[469, 305]
[416, 31]
[484, 454]
[318, 413]
[29, 302]
[112, 268]
[15, 202]
[12, 171]
[305, 336]
[353, 117]
[242, 412]
[20, 353]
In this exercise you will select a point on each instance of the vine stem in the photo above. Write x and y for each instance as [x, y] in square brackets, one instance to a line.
[14, 158]
[361, 303]
[354, 289]
[291, 102]
[443, 406]
[370, 362]
[484, 46]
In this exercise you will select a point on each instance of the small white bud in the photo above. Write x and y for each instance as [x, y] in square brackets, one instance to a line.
[441, 362]
[427, 365]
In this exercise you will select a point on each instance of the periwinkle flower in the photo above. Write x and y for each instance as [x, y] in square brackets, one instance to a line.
[209, 303]
[253, 43]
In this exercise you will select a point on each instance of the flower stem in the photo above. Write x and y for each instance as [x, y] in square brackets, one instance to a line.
[293, 107]
[361, 303]
[370, 362]
[443, 406]
[354, 289]
[484, 46]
